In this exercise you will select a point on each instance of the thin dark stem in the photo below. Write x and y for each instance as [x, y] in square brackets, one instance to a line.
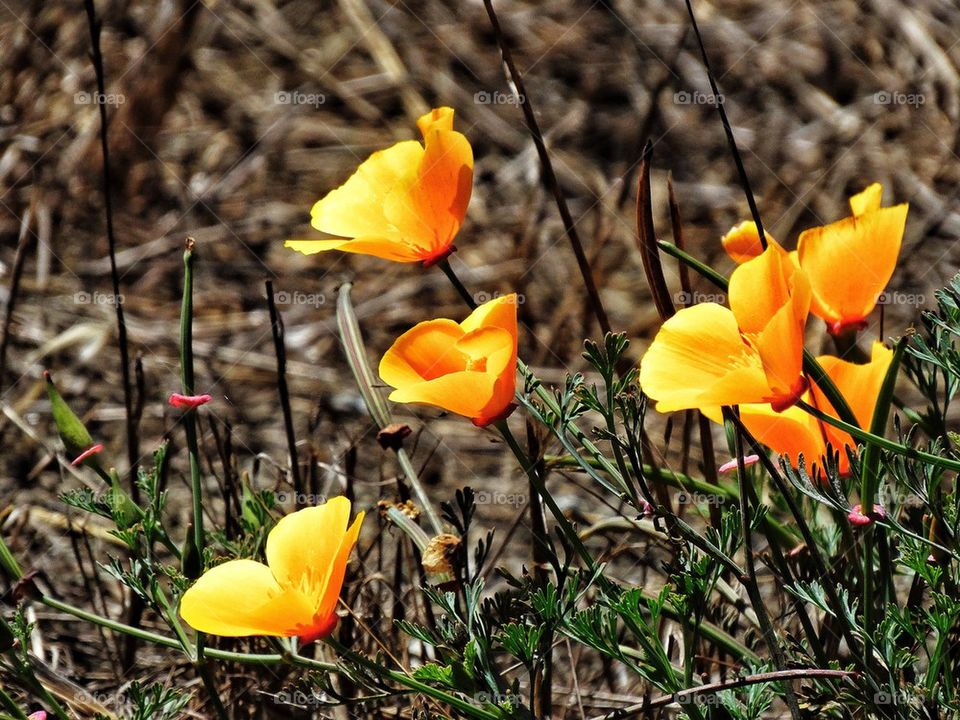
[731, 141]
[17, 273]
[276, 326]
[549, 177]
[133, 441]
[711, 688]
[753, 587]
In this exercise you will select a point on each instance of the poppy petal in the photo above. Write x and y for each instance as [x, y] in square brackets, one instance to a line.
[488, 349]
[790, 433]
[500, 312]
[742, 242]
[426, 351]
[850, 262]
[395, 250]
[440, 118]
[464, 393]
[302, 546]
[859, 383]
[241, 598]
[699, 359]
[445, 183]
[355, 209]
[760, 287]
[331, 590]
[867, 200]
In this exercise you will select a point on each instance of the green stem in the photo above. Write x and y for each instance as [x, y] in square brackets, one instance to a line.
[163, 641]
[784, 535]
[12, 707]
[869, 484]
[537, 483]
[196, 484]
[882, 442]
[186, 379]
[412, 683]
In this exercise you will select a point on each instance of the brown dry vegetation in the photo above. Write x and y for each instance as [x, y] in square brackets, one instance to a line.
[201, 147]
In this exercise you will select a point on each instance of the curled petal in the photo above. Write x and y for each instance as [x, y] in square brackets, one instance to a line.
[748, 460]
[742, 242]
[857, 517]
[188, 402]
[89, 452]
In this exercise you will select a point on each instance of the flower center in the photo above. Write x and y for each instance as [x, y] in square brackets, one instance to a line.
[477, 364]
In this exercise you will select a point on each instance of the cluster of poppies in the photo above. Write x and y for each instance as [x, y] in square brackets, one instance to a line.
[751, 354]
[406, 204]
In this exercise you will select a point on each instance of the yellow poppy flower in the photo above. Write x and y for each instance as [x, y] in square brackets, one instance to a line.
[708, 355]
[468, 368]
[405, 203]
[295, 594]
[850, 262]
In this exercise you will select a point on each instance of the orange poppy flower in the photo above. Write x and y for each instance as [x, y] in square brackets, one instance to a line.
[405, 203]
[794, 432]
[742, 242]
[468, 368]
[849, 262]
[708, 355]
[295, 594]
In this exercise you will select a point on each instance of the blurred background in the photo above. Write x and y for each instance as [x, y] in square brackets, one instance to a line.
[227, 120]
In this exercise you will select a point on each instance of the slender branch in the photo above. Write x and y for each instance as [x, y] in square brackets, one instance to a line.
[752, 585]
[133, 442]
[276, 326]
[549, 177]
[728, 131]
[689, 695]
